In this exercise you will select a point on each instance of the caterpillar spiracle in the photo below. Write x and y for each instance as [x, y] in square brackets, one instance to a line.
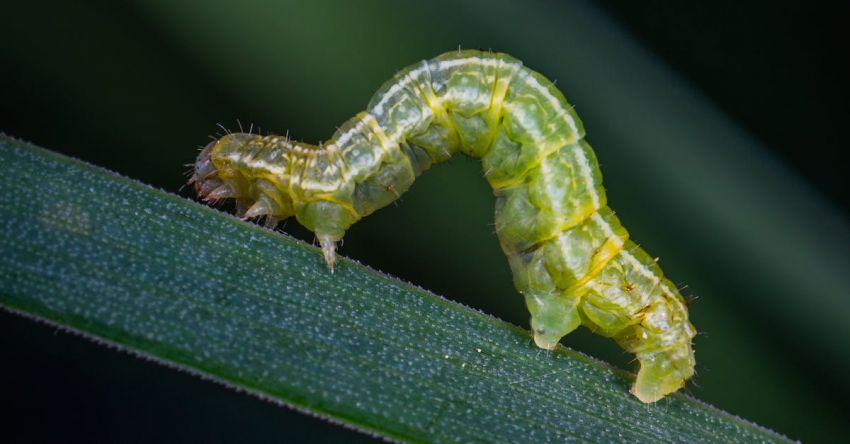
[570, 257]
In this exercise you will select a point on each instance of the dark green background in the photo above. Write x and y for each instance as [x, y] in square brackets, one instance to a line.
[755, 93]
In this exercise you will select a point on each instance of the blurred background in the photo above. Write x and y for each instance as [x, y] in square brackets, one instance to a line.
[720, 129]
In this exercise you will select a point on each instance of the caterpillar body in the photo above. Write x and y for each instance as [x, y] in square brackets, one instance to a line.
[570, 257]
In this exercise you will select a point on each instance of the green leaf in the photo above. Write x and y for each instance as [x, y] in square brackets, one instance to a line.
[199, 290]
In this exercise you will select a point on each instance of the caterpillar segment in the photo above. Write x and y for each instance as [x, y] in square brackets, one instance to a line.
[570, 257]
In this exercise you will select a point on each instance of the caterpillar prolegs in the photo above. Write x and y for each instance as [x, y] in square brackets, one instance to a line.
[570, 257]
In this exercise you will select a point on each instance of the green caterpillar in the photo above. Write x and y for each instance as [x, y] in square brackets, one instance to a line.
[571, 258]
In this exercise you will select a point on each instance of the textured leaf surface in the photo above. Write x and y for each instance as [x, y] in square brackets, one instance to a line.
[199, 290]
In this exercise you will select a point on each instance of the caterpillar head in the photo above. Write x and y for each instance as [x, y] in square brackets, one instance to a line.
[211, 183]
[205, 175]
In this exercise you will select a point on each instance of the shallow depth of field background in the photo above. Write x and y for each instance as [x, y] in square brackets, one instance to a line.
[137, 87]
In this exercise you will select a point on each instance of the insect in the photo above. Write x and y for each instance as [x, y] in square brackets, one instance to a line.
[570, 257]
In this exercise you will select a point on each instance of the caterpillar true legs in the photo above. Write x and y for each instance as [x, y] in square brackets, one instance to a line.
[571, 258]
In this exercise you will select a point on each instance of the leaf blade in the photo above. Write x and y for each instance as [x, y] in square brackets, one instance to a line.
[198, 289]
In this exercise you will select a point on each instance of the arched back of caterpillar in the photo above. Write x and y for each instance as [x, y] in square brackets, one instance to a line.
[571, 258]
